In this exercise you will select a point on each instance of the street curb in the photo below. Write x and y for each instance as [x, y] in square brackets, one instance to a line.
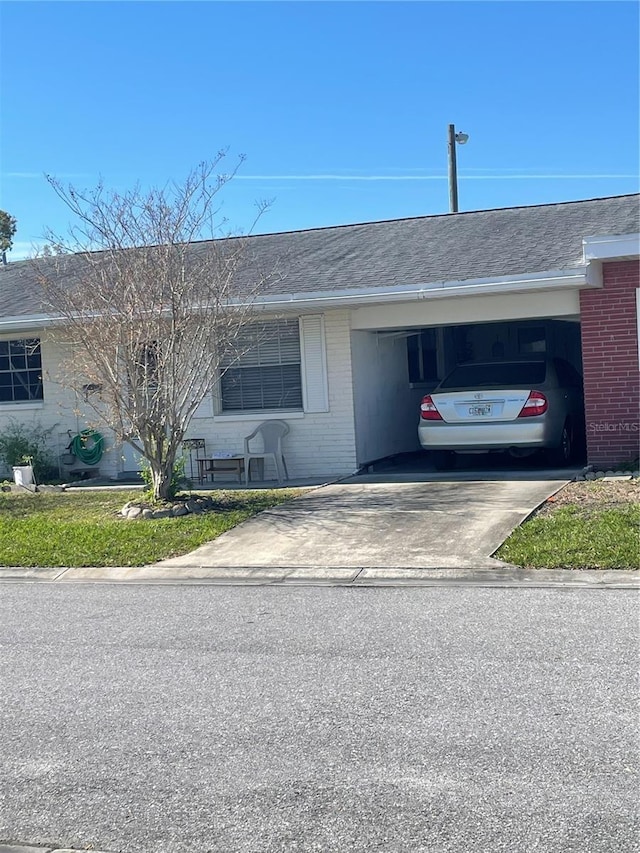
[31, 848]
[345, 576]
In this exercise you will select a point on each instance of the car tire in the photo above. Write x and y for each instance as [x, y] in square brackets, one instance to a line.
[443, 460]
[563, 453]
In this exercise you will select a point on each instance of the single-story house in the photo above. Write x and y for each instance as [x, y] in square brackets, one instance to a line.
[371, 316]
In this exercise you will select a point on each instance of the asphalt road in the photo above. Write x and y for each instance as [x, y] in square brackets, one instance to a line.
[166, 719]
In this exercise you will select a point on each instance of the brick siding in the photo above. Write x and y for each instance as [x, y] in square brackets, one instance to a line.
[610, 364]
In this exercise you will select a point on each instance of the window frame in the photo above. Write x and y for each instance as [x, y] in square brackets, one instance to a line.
[260, 361]
[32, 355]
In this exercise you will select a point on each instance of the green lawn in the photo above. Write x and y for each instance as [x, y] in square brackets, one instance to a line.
[576, 537]
[82, 529]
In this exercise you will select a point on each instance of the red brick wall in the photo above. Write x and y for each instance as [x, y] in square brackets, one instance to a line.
[610, 364]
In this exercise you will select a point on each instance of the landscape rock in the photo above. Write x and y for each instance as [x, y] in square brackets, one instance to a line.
[195, 504]
[589, 475]
[161, 513]
[21, 489]
[600, 475]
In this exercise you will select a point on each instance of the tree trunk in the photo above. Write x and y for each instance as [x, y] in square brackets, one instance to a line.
[161, 477]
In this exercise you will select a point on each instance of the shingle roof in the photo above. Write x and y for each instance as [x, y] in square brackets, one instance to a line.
[420, 250]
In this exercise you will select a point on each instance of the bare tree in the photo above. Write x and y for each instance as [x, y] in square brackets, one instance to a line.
[149, 307]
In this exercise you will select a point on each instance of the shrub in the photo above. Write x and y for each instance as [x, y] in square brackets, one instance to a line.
[20, 441]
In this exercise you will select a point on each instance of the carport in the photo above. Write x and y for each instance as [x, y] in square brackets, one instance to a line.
[399, 352]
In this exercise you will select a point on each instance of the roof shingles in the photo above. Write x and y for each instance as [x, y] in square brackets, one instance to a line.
[448, 247]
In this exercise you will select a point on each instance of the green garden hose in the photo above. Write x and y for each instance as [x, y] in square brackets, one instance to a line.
[87, 446]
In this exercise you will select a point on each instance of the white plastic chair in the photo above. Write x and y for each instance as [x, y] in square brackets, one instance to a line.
[272, 433]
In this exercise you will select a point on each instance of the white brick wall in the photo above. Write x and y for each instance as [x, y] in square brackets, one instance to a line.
[319, 444]
[59, 411]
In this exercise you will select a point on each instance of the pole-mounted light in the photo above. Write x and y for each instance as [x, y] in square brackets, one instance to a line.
[454, 138]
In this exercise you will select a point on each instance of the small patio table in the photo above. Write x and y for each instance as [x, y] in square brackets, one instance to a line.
[219, 464]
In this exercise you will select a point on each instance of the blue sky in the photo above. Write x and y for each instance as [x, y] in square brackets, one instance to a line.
[341, 108]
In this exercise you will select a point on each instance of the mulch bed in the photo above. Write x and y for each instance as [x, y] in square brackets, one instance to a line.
[594, 494]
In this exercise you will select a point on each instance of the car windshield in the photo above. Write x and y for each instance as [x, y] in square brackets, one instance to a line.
[513, 374]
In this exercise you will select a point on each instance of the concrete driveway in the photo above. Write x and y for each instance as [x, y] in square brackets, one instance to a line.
[391, 522]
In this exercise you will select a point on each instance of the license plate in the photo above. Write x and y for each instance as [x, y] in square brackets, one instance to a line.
[479, 411]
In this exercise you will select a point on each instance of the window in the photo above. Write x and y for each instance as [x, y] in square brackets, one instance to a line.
[513, 374]
[145, 365]
[422, 356]
[264, 371]
[20, 370]
[532, 339]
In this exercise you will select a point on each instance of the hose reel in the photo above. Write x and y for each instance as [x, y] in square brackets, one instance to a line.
[87, 446]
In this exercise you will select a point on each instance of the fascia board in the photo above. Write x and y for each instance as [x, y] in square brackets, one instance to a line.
[609, 247]
[572, 278]
[575, 277]
[27, 322]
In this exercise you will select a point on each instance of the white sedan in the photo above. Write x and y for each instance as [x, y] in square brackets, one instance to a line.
[517, 406]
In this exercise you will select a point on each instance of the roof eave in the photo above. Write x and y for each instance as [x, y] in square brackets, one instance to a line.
[28, 322]
[574, 278]
[607, 247]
